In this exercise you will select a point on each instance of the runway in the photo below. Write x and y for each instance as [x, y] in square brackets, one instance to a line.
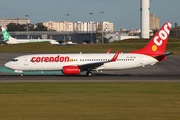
[94, 78]
[165, 71]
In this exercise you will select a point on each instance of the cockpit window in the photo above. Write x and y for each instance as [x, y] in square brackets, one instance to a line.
[14, 60]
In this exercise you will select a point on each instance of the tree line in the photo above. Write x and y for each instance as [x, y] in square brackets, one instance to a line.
[175, 31]
[24, 27]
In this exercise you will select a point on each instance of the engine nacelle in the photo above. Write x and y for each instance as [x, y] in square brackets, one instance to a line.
[71, 70]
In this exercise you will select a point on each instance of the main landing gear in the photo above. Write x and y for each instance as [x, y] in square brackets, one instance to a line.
[22, 74]
[88, 73]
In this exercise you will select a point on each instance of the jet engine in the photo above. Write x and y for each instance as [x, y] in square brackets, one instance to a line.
[71, 70]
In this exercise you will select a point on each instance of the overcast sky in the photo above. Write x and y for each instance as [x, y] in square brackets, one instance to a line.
[123, 13]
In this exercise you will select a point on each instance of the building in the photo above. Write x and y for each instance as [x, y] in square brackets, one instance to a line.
[5, 21]
[108, 26]
[92, 26]
[78, 26]
[154, 22]
[85, 26]
[62, 26]
[51, 25]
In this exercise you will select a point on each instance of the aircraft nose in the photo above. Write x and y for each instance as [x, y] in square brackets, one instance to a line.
[8, 65]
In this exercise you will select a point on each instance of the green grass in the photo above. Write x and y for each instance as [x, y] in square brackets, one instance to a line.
[124, 46]
[89, 101]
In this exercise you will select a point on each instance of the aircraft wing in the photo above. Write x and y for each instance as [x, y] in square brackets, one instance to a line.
[91, 66]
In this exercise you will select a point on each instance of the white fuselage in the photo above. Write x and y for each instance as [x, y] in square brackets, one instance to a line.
[58, 61]
[17, 41]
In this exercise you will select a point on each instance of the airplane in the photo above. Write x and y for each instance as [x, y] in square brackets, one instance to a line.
[10, 40]
[74, 64]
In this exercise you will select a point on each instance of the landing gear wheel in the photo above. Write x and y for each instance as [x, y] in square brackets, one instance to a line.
[89, 73]
[22, 74]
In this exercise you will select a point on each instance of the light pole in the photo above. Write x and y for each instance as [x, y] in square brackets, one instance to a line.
[91, 27]
[102, 26]
[27, 25]
[67, 26]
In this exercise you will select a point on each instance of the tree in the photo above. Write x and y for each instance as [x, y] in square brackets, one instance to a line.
[23, 27]
[31, 27]
[40, 27]
[16, 27]
[175, 31]
[176, 27]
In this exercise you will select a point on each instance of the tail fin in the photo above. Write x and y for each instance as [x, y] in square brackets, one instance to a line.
[157, 44]
[7, 37]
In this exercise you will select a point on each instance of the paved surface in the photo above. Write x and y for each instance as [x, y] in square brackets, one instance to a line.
[95, 78]
[166, 71]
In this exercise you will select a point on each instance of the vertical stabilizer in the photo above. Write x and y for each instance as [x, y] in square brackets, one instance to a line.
[157, 44]
[7, 38]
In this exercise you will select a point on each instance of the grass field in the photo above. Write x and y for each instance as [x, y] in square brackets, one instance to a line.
[89, 101]
[124, 46]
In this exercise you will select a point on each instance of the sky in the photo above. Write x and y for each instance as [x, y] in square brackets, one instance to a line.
[123, 13]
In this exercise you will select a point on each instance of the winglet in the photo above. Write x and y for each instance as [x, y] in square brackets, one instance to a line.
[115, 56]
[108, 51]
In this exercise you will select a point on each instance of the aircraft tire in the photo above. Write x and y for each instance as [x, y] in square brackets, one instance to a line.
[22, 74]
[89, 73]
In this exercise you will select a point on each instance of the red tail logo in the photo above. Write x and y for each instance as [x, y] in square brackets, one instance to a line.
[157, 44]
[162, 36]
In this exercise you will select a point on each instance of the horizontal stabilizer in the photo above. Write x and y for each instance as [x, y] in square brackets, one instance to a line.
[163, 56]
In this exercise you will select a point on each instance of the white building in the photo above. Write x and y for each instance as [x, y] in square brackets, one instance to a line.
[51, 25]
[92, 26]
[5, 21]
[78, 26]
[59, 26]
[107, 26]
